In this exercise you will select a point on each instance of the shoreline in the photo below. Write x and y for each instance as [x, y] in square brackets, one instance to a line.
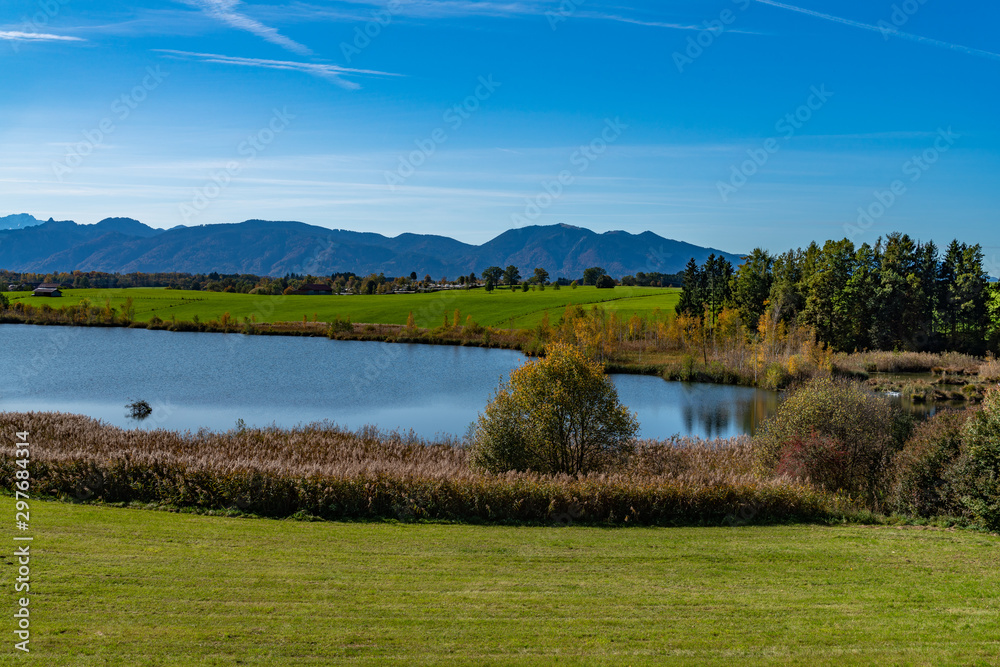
[684, 368]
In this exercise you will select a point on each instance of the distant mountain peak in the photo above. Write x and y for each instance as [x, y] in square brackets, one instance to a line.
[19, 221]
[278, 247]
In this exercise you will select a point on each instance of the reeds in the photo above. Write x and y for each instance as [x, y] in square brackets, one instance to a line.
[323, 471]
[908, 362]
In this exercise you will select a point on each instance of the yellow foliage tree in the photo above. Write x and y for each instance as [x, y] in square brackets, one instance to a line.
[559, 414]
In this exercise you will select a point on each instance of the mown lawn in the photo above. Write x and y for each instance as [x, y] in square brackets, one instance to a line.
[115, 586]
[501, 308]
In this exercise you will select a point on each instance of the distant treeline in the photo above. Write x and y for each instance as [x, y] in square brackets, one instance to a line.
[899, 294]
[246, 283]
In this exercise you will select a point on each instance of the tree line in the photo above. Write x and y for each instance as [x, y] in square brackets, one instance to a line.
[898, 294]
[348, 282]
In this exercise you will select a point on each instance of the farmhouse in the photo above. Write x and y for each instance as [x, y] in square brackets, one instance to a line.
[47, 289]
[314, 288]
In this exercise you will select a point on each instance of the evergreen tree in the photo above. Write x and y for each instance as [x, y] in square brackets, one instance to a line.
[692, 301]
[859, 296]
[826, 307]
[752, 286]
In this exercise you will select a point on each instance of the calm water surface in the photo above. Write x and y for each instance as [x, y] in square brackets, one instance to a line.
[198, 380]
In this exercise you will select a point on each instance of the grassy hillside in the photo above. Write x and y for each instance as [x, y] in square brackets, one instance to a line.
[500, 308]
[128, 587]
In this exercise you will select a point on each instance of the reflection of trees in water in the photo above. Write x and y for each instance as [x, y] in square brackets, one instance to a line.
[717, 411]
[721, 416]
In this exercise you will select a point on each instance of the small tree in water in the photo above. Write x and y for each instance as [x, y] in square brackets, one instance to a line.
[559, 414]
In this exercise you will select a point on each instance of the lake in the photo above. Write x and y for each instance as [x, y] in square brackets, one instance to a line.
[202, 380]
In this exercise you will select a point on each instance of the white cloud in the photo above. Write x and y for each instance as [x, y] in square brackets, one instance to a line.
[333, 73]
[36, 37]
[225, 11]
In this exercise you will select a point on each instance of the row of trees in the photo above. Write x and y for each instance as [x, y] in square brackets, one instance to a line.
[899, 294]
[494, 276]
[348, 282]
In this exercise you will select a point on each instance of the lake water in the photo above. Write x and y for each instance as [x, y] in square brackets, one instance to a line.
[201, 380]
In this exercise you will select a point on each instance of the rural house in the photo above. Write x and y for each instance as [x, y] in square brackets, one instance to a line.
[47, 289]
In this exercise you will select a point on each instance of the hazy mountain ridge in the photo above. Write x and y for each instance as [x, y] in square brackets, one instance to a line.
[18, 221]
[276, 248]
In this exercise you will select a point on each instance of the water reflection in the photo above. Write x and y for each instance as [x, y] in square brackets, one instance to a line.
[213, 381]
[684, 408]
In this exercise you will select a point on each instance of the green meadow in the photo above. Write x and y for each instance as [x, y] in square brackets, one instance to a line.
[116, 586]
[500, 308]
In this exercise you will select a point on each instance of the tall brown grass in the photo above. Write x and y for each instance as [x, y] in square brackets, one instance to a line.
[322, 471]
[907, 362]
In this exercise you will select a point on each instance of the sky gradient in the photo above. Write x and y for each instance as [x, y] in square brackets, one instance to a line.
[730, 124]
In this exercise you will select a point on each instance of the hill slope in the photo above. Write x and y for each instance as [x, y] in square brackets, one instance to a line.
[276, 248]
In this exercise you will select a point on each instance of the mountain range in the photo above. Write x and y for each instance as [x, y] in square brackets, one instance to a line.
[277, 248]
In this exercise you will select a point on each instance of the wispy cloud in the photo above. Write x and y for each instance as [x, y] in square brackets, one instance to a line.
[225, 11]
[651, 24]
[356, 10]
[14, 36]
[333, 73]
[887, 30]
[439, 8]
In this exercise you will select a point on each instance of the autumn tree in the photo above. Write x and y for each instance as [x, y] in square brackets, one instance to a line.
[559, 414]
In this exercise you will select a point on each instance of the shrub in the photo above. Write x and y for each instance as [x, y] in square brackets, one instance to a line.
[865, 427]
[559, 414]
[775, 377]
[990, 370]
[978, 472]
[339, 325]
[819, 458]
[924, 468]
[139, 409]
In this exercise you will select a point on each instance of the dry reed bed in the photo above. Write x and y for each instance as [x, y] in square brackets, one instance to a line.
[326, 472]
[909, 362]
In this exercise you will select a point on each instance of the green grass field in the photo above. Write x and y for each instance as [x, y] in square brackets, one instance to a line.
[115, 586]
[500, 308]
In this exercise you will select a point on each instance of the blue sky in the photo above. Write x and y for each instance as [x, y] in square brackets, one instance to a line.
[467, 118]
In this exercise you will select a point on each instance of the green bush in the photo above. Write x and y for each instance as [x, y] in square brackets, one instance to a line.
[978, 471]
[924, 469]
[846, 418]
